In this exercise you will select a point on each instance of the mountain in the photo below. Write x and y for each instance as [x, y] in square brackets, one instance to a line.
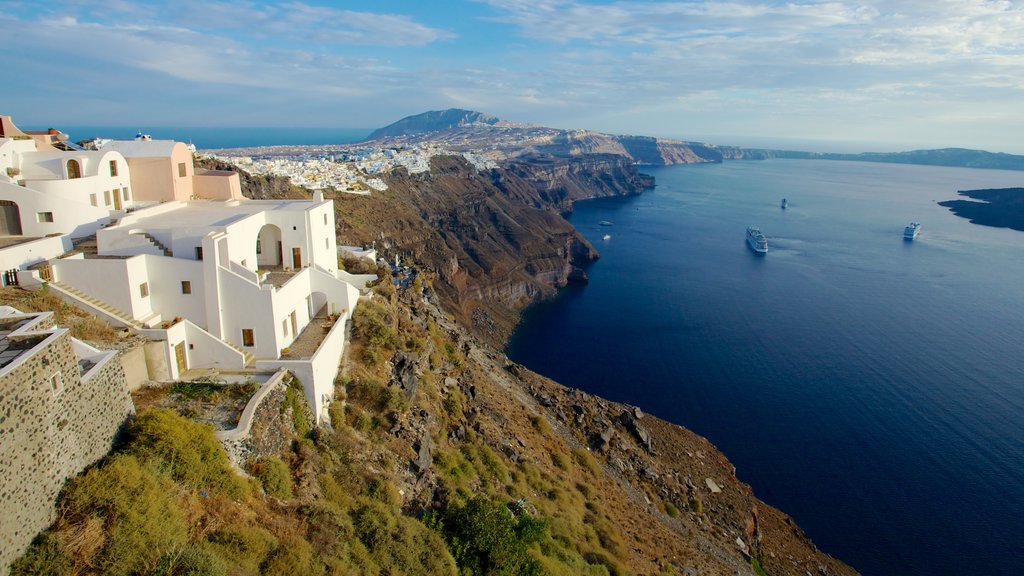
[433, 121]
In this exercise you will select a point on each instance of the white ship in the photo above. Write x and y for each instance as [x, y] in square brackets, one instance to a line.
[912, 231]
[758, 243]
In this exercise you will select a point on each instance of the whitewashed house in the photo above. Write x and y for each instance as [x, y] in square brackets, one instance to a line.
[229, 283]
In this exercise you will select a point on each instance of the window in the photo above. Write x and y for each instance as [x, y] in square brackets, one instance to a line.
[284, 327]
[186, 287]
[92, 198]
[248, 339]
[181, 169]
[325, 219]
[74, 169]
[113, 167]
[327, 243]
[144, 289]
[199, 252]
[44, 216]
[56, 383]
[259, 246]
[124, 194]
[106, 197]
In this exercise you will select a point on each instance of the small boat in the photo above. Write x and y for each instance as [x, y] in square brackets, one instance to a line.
[607, 237]
[604, 223]
[912, 231]
[785, 203]
[757, 241]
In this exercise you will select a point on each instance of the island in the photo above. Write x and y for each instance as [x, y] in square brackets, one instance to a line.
[998, 207]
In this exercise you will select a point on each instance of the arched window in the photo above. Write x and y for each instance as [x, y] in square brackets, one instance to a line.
[74, 169]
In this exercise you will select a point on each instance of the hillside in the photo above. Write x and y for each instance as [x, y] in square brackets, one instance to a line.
[443, 457]
[433, 121]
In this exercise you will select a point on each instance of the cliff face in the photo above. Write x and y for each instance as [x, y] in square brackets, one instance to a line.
[495, 241]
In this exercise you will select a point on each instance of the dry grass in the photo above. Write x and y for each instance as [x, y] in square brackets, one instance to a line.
[83, 325]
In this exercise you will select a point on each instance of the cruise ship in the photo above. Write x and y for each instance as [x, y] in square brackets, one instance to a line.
[758, 243]
[912, 231]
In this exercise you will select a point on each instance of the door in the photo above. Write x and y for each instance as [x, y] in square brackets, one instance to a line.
[117, 199]
[296, 258]
[10, 219]
[280, 254]
[179, 357]
[295, 325]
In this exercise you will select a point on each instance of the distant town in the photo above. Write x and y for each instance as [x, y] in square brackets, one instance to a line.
[345, 168]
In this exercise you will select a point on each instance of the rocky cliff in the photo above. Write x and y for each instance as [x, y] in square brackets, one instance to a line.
[495, 241]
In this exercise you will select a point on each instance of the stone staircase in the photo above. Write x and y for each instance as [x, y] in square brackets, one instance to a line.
[154, 242]
[96, 303]
[249, 358]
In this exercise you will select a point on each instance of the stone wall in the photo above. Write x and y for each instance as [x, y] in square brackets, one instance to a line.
[48, 436]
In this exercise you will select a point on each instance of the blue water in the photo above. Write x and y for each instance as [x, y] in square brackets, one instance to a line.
[206, 138]
[870, 387]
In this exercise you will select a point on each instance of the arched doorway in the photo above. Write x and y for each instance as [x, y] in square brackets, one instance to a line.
[74, 169]
[10, 219]
[269, 249]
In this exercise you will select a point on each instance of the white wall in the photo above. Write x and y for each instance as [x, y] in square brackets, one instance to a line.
[29, 253]
[165, 277]
[112, 281]
[245, 305]
[69, 216]
[324, 243]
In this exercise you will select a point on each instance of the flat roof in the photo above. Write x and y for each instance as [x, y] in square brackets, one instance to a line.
[210, 214]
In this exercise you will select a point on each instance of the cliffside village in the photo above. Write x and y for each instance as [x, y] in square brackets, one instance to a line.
[132, 233]
[345, 168]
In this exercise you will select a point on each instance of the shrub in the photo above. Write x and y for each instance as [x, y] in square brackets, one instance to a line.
[274, 475]
[302, 416]
[142, 519]
[486, 537]
[185, 449]
[46, 557]
[401, 545]
[246, 547]
[291, 558]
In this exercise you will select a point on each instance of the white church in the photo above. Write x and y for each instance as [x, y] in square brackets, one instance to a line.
[134, 234]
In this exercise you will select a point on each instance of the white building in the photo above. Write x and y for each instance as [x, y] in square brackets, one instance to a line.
[230, 283]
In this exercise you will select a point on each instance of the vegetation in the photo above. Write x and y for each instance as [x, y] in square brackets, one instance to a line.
[168, 501]
[82, 325]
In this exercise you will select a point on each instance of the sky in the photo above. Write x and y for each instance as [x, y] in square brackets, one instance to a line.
[876, 74]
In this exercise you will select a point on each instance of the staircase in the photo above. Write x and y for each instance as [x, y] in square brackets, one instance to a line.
[156, 243]
[95, 303]
[249, 358]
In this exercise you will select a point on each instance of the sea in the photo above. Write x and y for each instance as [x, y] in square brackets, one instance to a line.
[209, 138]
[870, 387]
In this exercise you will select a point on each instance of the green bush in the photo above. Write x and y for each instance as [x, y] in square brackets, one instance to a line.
[274, 475]
[143, 521]
[302, 416]
[245, 547]
[192, 561]
[399, 544]
[46, 557]
[293, 557]
[185, 449]
[487, 537]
